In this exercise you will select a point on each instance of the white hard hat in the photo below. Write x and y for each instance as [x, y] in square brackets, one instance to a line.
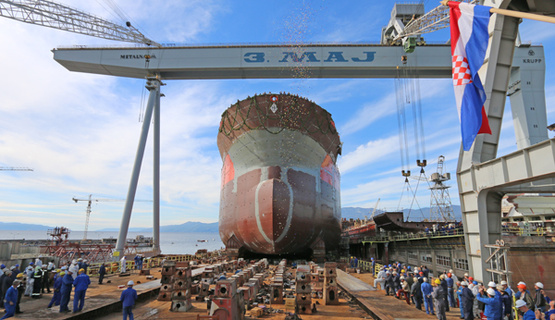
[492, 284]
[503, 283]
[466, 274]
[539, 284]
[464, 284]
[491, 292]
[130, 283]
[520, 303]
[520, 283]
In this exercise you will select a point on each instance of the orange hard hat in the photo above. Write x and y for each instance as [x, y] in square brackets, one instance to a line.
[449, 274]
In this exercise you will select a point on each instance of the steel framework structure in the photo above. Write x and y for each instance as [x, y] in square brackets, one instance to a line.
[57, 16]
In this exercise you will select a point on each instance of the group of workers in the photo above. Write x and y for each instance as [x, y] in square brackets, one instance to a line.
[38, 278]
[438, 295]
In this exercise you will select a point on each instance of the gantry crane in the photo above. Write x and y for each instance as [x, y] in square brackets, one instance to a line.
[58, 16]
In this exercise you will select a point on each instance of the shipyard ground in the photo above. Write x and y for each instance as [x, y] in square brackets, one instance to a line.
[359, 300]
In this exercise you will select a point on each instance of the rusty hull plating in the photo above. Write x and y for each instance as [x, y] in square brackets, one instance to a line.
[280, 184]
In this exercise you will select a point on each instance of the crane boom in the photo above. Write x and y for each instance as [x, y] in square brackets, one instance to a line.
[435, 19]
[57, 16]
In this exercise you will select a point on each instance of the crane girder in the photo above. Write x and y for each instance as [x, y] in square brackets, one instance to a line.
[57, 16]
[436, 19]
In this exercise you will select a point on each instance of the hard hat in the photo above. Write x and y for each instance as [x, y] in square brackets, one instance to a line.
[130, 283]
[521, 283]
[64, 268]
[449, 274]
[421, 273]
[470, 279]
[520, 303]
[81, 270]
[74, 261]
[425, 279]
[503, 283]
[466, 274]
[474, 282]
[539, 285]
[491, 284]
[451, 271]
[20, 275]
[437, 281]
[464, 284]
[402, 270]
[521, 286]
[402, 278]
[63, 273]
[491, 292]
[80, 259]
[442, 276]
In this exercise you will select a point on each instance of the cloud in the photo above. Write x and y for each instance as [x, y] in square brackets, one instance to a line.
[387, 105]
[369, 153]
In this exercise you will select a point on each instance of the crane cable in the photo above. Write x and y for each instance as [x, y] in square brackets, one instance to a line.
[402, 123]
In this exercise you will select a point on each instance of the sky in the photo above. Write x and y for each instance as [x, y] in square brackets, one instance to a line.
[79, 132]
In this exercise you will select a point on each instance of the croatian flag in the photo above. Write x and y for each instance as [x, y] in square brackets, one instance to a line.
[469, 40]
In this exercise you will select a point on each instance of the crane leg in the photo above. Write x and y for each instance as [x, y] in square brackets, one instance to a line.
[153, 85]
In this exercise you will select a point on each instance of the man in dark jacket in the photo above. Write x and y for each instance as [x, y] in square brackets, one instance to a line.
[101, 273]
[6, 283]
[396, 282]
[443, 284]
[467, 299]
[388, 283]
[416, 293]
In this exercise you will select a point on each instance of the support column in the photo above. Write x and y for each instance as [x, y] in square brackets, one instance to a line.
[156, 175]
[153, 85]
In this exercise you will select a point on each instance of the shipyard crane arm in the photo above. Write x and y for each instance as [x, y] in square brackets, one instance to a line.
[58, 16]
[435, 19]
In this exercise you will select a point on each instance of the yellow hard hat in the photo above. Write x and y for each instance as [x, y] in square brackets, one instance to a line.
[438, 281]
[81, 270]
[62, 273]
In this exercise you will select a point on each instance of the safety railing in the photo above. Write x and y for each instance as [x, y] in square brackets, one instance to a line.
[416, 236]
[153, 262]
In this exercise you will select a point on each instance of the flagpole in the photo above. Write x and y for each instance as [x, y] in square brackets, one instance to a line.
[517, 14]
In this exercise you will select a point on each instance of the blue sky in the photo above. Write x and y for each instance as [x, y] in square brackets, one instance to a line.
[79, 132]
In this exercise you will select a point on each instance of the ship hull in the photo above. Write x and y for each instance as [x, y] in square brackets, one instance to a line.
[280, 192]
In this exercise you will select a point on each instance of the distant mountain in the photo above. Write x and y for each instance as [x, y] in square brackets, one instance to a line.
[415, 214]
[23, 226]
[189, 226]
[130, 229]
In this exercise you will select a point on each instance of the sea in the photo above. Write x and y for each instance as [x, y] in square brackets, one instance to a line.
[170, 242]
